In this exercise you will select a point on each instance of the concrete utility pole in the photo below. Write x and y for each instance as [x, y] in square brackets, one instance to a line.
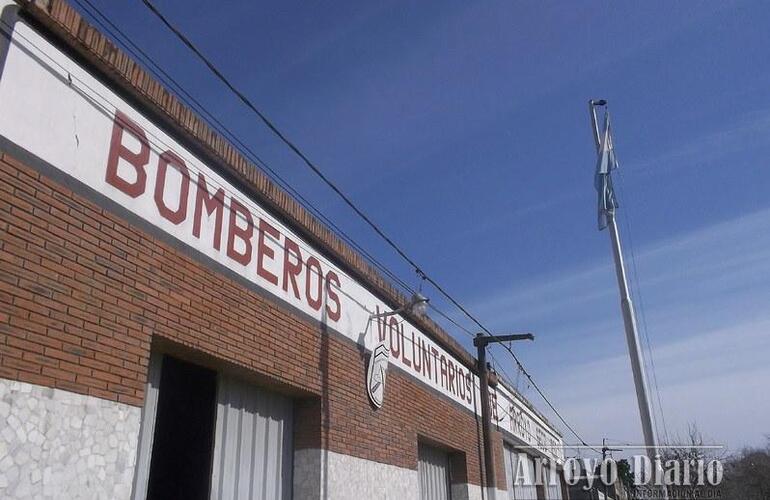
[481, 341]
[627, 308]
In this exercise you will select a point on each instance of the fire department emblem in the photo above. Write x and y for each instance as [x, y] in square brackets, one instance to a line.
[376, 373]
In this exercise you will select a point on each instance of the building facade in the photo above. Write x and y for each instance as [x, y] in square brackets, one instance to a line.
[174, 325]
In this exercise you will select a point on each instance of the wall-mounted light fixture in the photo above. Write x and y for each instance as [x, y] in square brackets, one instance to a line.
[417, 305]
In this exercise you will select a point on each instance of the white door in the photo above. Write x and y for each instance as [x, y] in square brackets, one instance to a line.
[252, 445]
[433, 469]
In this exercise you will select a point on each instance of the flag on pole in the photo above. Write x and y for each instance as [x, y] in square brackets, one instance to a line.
[607, 162]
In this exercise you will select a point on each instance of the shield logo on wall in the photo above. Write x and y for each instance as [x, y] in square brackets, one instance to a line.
[376, 373]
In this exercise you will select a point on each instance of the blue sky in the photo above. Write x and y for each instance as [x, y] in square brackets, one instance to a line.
[462, 128]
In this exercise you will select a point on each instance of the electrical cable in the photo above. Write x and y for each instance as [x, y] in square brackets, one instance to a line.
[345, 198]
[155, 142]
[186, 41]
[191, 101]
[637, 289]
[245, 100]
[539, 391]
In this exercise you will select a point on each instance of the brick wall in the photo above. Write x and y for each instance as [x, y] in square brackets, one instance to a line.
[66, 313]
[84, 294]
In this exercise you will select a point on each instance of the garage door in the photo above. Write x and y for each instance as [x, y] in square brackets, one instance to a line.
[519, 475]
[252, 445]
[433, 468]
[553, 483]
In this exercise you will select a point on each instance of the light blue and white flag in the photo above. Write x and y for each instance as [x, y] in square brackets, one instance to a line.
[607, 162]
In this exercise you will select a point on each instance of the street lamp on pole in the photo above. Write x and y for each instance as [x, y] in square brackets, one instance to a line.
[481, 341]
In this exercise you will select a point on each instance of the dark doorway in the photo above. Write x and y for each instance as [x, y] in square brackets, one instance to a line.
[180, 467]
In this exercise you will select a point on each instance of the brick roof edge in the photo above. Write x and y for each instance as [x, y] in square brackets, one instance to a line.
[68, 27]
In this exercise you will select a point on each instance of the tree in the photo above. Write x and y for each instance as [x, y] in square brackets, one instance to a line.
[625, 474]
[686, 463]
[747, 474]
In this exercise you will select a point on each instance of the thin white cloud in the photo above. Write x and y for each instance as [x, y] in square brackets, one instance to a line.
[726, 416]
[713, 259]
[748, 133]
[707, 294]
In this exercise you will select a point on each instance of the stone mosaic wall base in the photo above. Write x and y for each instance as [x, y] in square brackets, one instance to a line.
[56, 444]
[343, 477]
[467, 491]
[320, 475]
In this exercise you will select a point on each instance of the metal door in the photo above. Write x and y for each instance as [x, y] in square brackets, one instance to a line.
[433, 469]
[252, 445]
[519, 474]
[509, 457]
[552, 482]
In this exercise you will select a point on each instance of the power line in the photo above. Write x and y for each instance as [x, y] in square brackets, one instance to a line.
[107, 108]
[155, 142]
[310, 164]
[317, 171]
[245, 100]
[499, 368]
[186, 41]
[159, 72]
[539, 391]
[273, 128]
[160, 142]
[191, 101]
[162, 75]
